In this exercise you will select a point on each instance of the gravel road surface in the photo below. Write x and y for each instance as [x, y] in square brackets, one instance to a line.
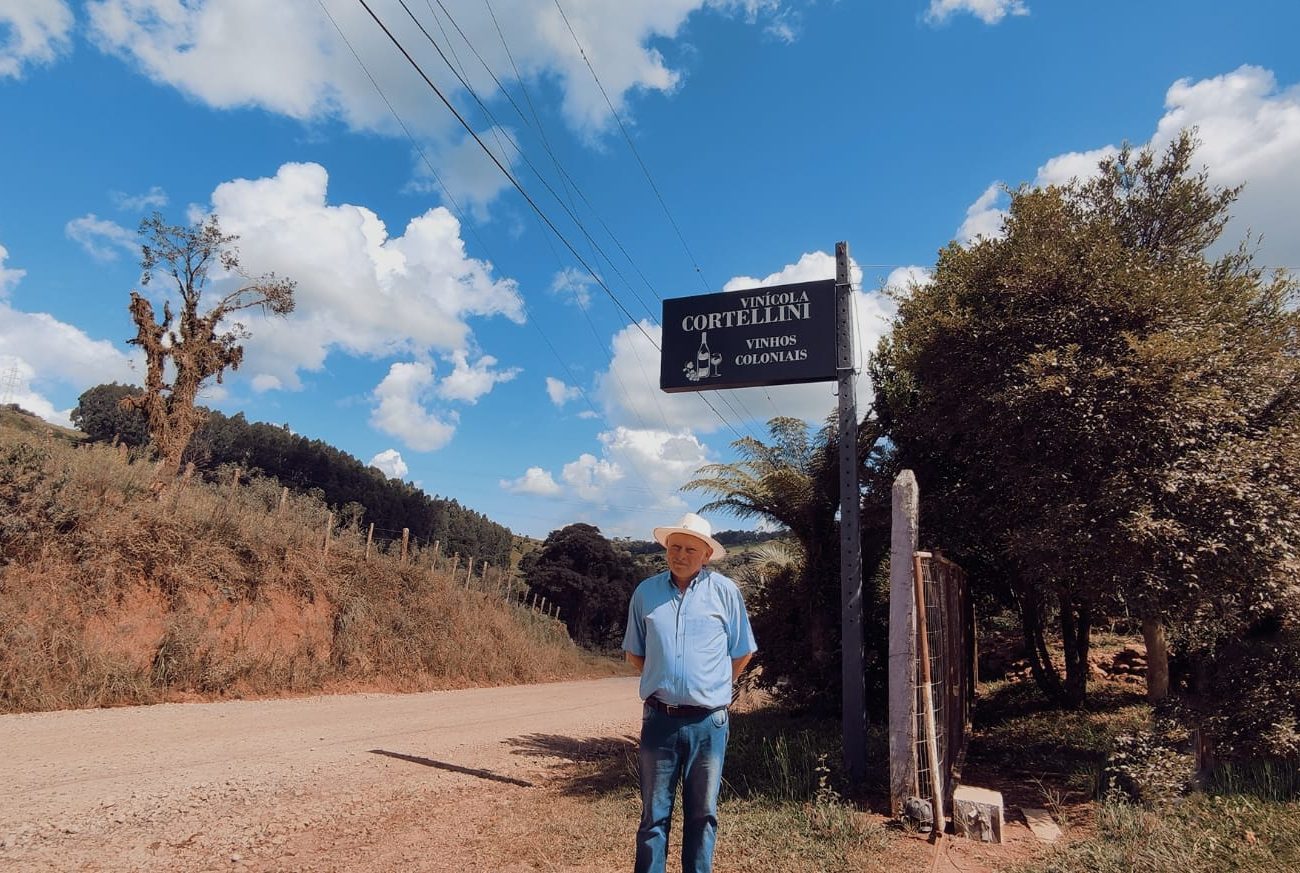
[297, 784]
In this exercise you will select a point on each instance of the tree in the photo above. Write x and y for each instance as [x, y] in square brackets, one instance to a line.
[795, 609]
[591, 581]
[198, 345]
[1102, 413]
[99, 414]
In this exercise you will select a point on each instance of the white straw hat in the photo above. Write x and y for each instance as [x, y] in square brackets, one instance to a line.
[695, 526]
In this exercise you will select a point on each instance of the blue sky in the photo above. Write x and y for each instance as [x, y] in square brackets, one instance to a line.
[442, 331]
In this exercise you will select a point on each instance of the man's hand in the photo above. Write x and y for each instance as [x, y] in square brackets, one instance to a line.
[738, 665]
[637, 661]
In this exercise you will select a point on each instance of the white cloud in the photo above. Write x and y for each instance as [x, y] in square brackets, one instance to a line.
[465, 174]
[468, 382]
[400, 411]
[1249, 129]
[573, 284]
[16, 377]
[810, 267]
[534, 481]
[629, 390]
[904, 278]
[360, 291]
[390, 463]
[9, 276]
[263, 382]
[636, 480]
[984, 217]
[559, 392]
[32, 32]
[590, 477]
[102, 239]
[154, 198]
[1072, 165]
[987, 11]
[44, 352]
[1250, 133]
[287, 57]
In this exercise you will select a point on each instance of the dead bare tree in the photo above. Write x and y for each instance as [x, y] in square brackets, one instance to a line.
[199, 345]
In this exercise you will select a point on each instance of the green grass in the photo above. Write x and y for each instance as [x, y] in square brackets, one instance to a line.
[1203, 834]
[1017, 729]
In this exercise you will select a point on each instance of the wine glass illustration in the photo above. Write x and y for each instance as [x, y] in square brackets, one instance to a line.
[716, 360]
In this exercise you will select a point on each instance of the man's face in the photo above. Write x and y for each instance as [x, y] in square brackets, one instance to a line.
[686, 555]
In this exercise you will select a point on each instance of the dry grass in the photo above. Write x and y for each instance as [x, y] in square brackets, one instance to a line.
[779, 808]
[1203, 834]
[113, 592]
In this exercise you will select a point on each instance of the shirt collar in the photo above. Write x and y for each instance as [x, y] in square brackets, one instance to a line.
[704, 571]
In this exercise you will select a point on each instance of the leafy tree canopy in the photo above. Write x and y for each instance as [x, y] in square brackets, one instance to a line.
[590, 579]
[1102, 412]
[100, 415]
[198, 345]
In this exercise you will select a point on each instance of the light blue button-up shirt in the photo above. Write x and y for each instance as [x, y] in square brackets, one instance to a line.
[688, 639]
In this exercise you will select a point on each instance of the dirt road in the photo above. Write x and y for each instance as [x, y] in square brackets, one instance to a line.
[300, 784]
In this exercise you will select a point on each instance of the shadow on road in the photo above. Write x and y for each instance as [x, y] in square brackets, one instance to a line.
[453, 768]
[591, 765]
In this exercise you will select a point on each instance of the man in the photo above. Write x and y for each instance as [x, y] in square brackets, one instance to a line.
[689, 635]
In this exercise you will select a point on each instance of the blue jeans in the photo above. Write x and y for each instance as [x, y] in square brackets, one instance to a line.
[688, 749]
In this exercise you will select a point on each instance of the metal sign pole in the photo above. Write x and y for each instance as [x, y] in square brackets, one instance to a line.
[852, 678]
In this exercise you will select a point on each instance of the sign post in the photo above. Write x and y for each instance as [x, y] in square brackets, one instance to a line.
[779, 335]
[853, 682]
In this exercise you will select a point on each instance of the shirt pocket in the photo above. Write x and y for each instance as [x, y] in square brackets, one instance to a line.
[707, 634]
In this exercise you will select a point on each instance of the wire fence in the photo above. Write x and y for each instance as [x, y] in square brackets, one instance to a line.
[949, 624]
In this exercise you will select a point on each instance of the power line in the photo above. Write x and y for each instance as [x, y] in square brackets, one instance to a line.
[632, 146]
[506, 172]
[456, 206]
[744, 414]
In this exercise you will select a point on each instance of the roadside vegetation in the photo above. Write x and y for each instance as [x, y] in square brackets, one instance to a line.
[116, 591]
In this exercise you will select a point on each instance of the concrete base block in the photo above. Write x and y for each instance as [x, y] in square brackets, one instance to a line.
[977, 813]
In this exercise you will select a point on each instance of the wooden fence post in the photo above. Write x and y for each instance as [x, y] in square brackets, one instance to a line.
[455, 559]
[406, 542]
[234, 486]
[329, 527]
[469, 571]
[433, 562]
[284, 498]
[370, 538]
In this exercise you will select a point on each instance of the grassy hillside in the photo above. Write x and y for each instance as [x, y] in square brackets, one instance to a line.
[116, 588]
[14, 418]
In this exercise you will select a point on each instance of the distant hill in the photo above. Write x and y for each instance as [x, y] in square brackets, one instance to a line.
[359, 493]
[14, 416]
[729, 538]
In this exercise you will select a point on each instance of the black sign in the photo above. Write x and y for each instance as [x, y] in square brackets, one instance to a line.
[739, 339]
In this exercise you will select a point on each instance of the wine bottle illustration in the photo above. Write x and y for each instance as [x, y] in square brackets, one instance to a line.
[703, 359]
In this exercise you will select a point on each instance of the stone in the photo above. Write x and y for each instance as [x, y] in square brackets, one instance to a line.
[977, 813]
[1040, 822]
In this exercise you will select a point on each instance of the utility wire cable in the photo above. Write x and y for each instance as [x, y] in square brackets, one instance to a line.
[527, 162]
[546, 219]
[460, 213]
[742, 415]
[626, 136]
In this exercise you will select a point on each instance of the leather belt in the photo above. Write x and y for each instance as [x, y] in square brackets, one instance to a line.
[681, 711]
